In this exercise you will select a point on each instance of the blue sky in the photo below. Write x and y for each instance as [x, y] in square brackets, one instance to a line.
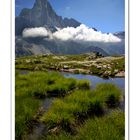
[105, 15]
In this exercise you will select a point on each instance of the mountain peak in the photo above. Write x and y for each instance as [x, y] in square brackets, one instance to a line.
[42, 14]
[41, 3]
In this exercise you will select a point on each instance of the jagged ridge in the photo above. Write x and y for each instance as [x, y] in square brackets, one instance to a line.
[42, 14]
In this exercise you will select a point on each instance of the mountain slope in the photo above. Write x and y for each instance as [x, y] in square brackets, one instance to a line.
[42, 14]
[120, 34]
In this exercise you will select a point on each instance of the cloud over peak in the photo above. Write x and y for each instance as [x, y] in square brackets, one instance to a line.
[81, 33]
[84, 33]
[35, 32]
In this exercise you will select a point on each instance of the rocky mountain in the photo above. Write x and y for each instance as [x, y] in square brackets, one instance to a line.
[120, 34]
[42, 14]
[25, 48]
[41, 45]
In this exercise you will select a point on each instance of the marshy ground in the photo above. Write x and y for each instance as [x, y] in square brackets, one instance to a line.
[52, 107]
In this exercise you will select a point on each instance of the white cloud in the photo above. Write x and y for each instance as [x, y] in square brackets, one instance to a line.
[81, 34]
[84, 33]
[35, 32]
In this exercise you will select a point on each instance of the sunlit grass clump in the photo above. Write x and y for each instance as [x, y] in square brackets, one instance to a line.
[82, 104]
[83, 84]
[61, 86]
[109, 93]
[41, 84]
[75, 107]
[108, 127]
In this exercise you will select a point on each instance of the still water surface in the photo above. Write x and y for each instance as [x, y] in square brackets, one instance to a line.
[94, 80]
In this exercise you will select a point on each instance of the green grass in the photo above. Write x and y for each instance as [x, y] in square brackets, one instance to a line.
[32, 88]
[119, 64]
[95, 70]
[26, 103]
[62, 86]
[109, 93]
[57, 62]
[67, 112]
[81, 104]
[44, 83]
[108, 127]
[83, 84]
[26, 108]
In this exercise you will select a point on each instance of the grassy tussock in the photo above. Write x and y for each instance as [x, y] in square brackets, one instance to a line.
[68, 110]
[109, 127]
[83, 84]
[109, 93]
[81, 104]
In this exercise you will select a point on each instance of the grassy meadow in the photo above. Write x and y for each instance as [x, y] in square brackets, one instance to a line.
[112, 66]
[77, 112]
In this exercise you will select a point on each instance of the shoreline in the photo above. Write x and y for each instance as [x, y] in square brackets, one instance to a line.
[122, 75]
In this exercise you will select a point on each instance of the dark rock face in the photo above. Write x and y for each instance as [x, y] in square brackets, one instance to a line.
[41, 45]
[70, 22]
[42, 14]
[25, 48]
[121, 34]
